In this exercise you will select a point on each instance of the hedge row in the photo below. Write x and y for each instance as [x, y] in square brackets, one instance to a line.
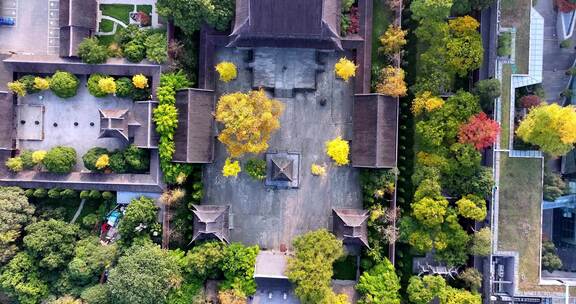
[166, 119]
[59, 160]
[137, 88]
[57, 193]
[129, 160]
[62, 84]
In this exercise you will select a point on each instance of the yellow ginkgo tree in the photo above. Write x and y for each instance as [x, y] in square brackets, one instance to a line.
[551, 127]
[338, 149]
[345, 69]
[249, 119]
[227, 71]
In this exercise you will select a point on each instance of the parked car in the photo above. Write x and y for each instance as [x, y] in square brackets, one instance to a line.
[7, 21]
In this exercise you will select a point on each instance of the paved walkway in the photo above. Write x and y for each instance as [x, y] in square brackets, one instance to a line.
[556, 60]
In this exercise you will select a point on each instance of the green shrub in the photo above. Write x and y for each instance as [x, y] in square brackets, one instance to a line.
[134, 51]
[157, 48]
[92, 52]
[64, 84]
[107, 195]
[90, 220]
[137, 159]
[60, 160]
[129, 33]
[28, 81]
[40, 193]
[566, 43]
[29, 193]
[94, 195]
[505, 44]
[124, 87]
[92, 156]
[175, 80]
[14, 164]
[84, 194]
[117, 162]
[256, 168]
[54, 193]
[93, 86]
[27, 161]
[69, 193]
[97, 294]
[140, 94]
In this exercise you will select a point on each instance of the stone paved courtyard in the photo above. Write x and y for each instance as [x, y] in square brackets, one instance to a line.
[269, 217]
[82, 109]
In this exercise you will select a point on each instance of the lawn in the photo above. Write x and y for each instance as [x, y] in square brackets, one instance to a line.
[381, 18]
[505, 106]
[118, 11]
[106, 26]
[345, 269]
[516, 13]
[519, 218]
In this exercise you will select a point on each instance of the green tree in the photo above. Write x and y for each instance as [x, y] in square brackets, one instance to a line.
[481, 242]
[92, 52]
[157, 48]
[430, 212]
[204, 261]
[60, 160]
[137, 159]
[93, 87]
[189, 15]
[488, 90]
[472, 278]
[15, 212]
[51, 242]
[550, 259]
[379, 285]
[92, 156]
[472, 207]
[124, 87]
[90, 260]
[424, 290]
[459, 296]
[27, 161]
[140, 212]
[238, 267]
[145, 275]
[64, 84]
[311, 267]
[134, 51]
[431, 10]
[551, 127]
[20, 279]
[464, 47]
[97, 294]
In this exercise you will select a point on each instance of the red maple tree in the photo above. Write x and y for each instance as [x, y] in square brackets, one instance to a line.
[480, 131]
[530, 101]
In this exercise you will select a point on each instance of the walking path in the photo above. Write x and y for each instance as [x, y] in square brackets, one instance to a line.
[557, 59]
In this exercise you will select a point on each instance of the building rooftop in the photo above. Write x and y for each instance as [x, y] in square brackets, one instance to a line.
[351, 226]
[375, 131]
[211, 222]
[194, 137]
[287, 23]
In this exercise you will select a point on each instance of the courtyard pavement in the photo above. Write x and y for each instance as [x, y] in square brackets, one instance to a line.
[83, 109]
[556, 60]
[30, 34]
[269, 217]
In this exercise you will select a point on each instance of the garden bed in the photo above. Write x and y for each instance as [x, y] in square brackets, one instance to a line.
[345, 269]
